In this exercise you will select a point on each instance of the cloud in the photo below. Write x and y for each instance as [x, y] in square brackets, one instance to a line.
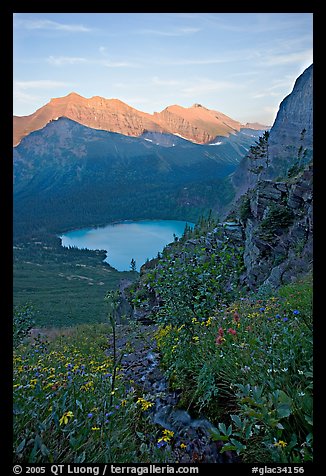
[204, 86]
[63, 60]
[199, 61]
[278, 88]
[103, 50]
[231, 56]
[44, 24]
[282, 59]
[32, 92]
[174, 32]
[39, 84]
[164, 82]
[252, 23]
[116, 64]
[23, 97]
[73, 60]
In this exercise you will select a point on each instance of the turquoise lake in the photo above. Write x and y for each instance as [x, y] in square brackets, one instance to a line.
[128, 240]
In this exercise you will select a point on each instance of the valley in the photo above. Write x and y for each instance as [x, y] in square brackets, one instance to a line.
[66, 287]
[206, 354]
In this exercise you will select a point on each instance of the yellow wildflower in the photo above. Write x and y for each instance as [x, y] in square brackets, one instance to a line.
[95, 428]
[167, 435]
[65, 418]
[87, 386]
[145, 405]
[280, 444]
[183, 446]
[208, 322]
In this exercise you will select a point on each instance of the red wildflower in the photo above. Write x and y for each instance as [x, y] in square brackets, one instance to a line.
[221, 331]
[232, 331]
[219, 340]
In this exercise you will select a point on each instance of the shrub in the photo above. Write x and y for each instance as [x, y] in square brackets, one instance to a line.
[244, 209]
[277, 218]
[22, 323]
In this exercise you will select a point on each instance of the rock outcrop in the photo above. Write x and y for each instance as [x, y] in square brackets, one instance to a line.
[278, 231]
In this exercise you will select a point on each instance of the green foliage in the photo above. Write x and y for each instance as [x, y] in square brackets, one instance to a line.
[244, 209]
[249, 367]
[295, 170]
[278, 218]
[66, 286]
[192, 280]
[65, 410]
[133, 264]
[23, 322]
[259, 149]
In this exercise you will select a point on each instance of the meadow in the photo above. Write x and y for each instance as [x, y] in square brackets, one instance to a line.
[65, 286]
[247, 367]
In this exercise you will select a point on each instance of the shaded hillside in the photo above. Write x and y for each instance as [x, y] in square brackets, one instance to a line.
[67, 175]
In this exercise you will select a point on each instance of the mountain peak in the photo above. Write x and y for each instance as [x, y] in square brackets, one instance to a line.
[197, 105]
[196, 123]
[71, 96]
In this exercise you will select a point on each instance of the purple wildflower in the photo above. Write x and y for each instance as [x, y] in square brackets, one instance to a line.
[160, 444]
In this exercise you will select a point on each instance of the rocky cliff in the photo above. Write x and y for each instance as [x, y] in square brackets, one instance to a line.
[277, 227]
[290, 142]
[275, 186]
[291, 137]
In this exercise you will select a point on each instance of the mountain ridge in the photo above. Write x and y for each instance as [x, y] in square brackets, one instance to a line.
[196, 123]
[67, 169]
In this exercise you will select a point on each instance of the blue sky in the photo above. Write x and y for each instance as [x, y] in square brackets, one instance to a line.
[241, 64]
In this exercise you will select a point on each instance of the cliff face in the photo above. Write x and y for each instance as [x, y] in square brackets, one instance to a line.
[275, 186]
[278, 231]
[291, 137]
[290, 143]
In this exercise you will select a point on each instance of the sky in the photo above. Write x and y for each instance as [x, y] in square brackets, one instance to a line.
[241, 64]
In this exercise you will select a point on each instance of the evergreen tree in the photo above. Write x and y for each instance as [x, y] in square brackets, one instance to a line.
[133, 265]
